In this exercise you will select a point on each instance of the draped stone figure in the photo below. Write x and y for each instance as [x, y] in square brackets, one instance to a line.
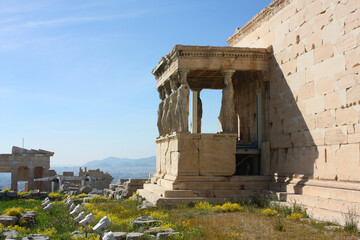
[182, 106]
[160, 111]
[171, 119]
[227, 112]
[166, 127]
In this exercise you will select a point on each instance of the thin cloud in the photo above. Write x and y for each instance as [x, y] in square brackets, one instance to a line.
[73, 20]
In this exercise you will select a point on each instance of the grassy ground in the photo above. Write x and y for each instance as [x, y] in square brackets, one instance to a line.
[199, 221]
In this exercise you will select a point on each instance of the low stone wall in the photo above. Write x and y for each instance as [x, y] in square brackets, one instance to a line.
[10, 195]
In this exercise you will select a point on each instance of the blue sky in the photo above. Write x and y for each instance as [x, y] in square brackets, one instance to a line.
[75, 76]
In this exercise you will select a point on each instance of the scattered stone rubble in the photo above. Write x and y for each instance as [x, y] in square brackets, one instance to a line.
[124, 190]
[11, 195]
[28, 216]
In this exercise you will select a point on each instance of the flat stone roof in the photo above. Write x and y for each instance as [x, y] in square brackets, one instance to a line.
[205, 64]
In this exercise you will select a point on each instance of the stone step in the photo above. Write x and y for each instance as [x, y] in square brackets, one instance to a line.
[320, 183]
[323, 214]
[251, 179]
[318, 191]
[319, 202]
[232, 193]
[222, 185]
[163, 192]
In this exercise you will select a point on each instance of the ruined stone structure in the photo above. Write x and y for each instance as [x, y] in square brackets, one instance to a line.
[102, 179]
[87, 178]
[290, 77]
[26, 165]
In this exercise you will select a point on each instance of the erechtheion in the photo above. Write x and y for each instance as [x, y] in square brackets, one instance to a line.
[26, 165]
[289, 115]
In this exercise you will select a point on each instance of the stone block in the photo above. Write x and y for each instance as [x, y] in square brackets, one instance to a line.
[346, 43]
[315, 105]
[350, 129]
[313, 41]
[304, 61]
[343, 9]
[307, 91]
[323, 52]
[300, 4]
[217, 155]
[289, 67]
[281, 141]
[352, 21]
[357, 128]
[347, 81]
[289, 39]
[354, 138]
[297, 20]
[331, 32]
[288, 12]
[332, 101]
[325, 119]
[302, 139]
[305, 30]
[325, 85]
[312, 10]
[8, 220]
[318, 137]
[323, 19]
[353, 58]
[337, 135]
[353, 94]
[297, 50]
[296, 80]
[348, 167]
[346, 116]
[134, 235]
[328, 67]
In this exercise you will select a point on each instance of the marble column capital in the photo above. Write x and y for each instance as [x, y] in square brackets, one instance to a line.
[182, 75]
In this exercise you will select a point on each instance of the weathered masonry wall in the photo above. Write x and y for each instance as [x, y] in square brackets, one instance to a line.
[314, 98]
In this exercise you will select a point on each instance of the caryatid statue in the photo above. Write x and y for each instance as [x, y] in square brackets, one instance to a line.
[161, 91]
[227, 112]
[182, 106]
[172, 122]
[166, 128]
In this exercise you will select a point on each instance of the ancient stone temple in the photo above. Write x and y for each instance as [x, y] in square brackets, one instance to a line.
[289, 114]
[26, 165]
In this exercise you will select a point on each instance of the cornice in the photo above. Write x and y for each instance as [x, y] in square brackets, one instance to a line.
[180, 51]
[257, 20]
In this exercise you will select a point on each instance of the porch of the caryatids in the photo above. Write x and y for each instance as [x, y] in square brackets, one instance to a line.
[182, 106]
[227, 112]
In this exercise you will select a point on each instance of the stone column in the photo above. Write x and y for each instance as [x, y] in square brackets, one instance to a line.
[31, 183]
[161, 91]
[227, 112]
[196, 112]
[182, 106]
[45, 185]
[14, 179]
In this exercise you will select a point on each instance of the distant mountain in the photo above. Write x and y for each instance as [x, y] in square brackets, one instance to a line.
[114, 162]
